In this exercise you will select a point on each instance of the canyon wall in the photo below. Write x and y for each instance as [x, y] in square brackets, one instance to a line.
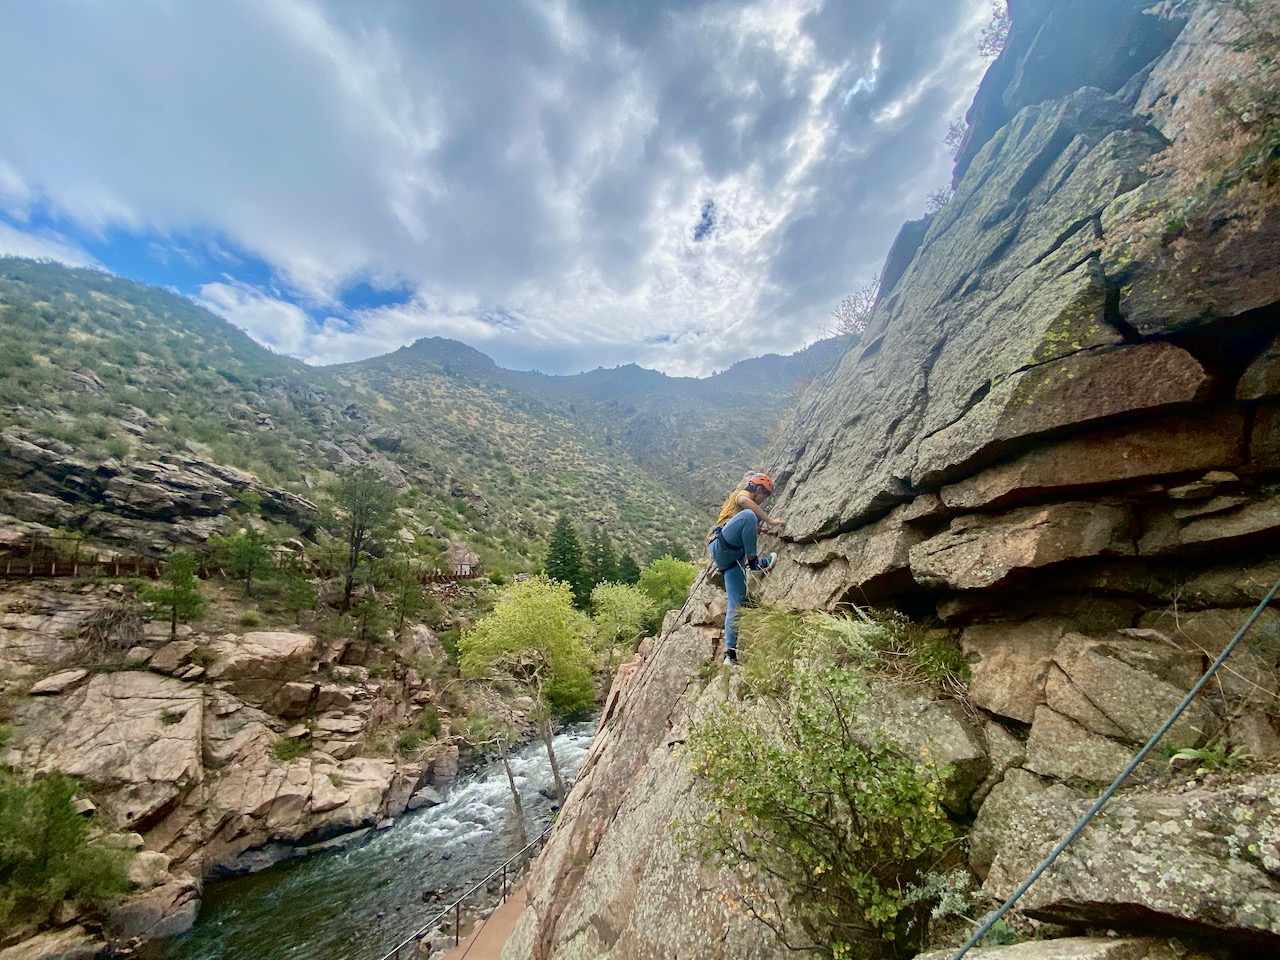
[1059, 440]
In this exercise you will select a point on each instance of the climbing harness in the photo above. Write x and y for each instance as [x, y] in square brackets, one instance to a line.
[992, 918]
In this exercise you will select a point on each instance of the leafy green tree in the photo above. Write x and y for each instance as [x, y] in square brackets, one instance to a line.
[628, 569]
[620, 613]
[666, 582]
[47, 855]
[535, 636]
[600, 563]
[365, 506]
[245, 554]
[564, 559]
[177, 596]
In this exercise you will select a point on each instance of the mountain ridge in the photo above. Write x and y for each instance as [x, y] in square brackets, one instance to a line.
[120, 370]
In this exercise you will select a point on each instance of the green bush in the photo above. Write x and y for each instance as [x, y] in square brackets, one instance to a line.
[47, 854]
[882, 642]
[290, 748]
[666, 582]
[800, 792]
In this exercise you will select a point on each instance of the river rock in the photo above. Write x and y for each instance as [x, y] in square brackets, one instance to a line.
[70, 943]
[444, 765]
[166, 910]
[425, 797]
[149, 869]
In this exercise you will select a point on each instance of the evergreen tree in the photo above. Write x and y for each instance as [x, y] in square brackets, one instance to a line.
[365, 507]
[601, 563]
[564, 560]
[407, 601]
[50, 855]
[628, 569]
[298, 595]
[179, 598]
[245, 555]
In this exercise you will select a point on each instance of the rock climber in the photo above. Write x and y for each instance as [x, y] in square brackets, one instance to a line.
[732, 545]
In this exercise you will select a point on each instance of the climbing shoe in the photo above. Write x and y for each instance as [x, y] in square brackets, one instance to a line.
[762, 563]
[731, 658]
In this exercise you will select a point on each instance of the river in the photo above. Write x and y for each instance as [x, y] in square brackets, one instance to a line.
[359, 902]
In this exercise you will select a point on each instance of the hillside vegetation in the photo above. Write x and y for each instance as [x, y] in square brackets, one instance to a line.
[120, 371]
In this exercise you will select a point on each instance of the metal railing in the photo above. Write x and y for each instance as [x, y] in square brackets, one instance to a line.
[503, 871]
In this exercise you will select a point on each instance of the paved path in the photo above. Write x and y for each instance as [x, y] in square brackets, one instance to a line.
[486, 941]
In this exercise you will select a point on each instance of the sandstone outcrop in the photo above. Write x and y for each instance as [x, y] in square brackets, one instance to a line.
[1059, 437]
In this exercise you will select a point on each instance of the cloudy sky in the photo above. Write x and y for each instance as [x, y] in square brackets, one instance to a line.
[563, 184]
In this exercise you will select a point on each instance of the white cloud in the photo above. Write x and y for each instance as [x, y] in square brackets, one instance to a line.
[16, 243]
[282, 326]
[550, 158]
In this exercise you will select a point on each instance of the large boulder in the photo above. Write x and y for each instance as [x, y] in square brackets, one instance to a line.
[266, 668]
[132, 737]
[1199, 861]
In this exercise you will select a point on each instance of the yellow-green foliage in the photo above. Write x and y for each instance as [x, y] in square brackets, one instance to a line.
[47, 854]
[666, 582]
[873, 641]
[534, 635]
[620, 613]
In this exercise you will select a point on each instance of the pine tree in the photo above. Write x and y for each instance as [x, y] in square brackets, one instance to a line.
[366, 506]
[180, 599]
[628, 569]
[601, 564]
[564, 559]
[245, 554]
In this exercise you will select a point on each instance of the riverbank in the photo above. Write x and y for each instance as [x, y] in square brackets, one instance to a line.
[357, 902]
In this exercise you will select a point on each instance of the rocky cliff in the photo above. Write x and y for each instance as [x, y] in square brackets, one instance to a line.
[1059, 441]
[216, 753]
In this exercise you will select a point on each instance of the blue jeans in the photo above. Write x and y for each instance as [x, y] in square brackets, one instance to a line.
[730, 555]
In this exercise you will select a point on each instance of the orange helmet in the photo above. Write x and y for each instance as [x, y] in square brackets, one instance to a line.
[763, 480]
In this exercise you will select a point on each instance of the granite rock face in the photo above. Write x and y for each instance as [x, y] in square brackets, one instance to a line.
[1067, 452]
